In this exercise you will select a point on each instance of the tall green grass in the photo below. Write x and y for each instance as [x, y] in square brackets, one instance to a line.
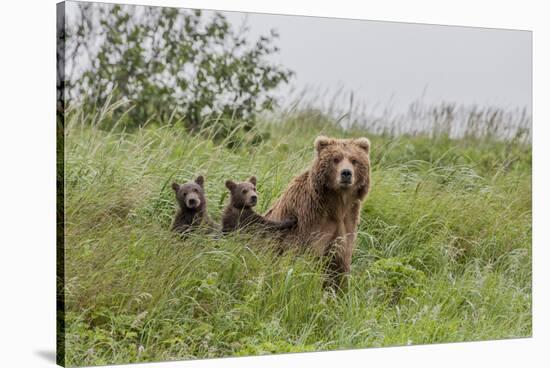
[443, 253]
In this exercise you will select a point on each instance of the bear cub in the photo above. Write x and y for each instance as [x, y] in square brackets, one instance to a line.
[192, 206]
[239, 213]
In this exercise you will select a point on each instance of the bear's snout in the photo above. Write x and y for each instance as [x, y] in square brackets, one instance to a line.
[253, 199]
[344, 173]
[193, 201]
[345, 176]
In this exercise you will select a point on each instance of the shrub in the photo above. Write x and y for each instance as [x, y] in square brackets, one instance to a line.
[169, 65]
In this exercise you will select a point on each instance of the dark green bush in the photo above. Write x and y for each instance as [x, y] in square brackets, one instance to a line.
[169, 65]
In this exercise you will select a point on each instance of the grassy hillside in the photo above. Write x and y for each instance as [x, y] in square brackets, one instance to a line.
[443, 255]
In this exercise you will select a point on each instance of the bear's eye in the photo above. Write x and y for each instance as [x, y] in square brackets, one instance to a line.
[245, 191]
[354, 162]
[336, 160]
[195, 190]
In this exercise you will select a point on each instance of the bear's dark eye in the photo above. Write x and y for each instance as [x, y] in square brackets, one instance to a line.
[195, 190]
[245, 191]
[354, 162]
[336, 160]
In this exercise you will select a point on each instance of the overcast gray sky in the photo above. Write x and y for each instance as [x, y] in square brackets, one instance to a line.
[397, 63]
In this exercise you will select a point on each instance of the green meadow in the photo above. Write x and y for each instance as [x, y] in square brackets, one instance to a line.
[443, 250]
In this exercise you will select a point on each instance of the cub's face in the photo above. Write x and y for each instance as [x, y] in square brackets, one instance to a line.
[243, 195]
[342, 164]
[190, 195]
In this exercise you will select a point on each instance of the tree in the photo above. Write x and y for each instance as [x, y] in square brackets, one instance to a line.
[170, 64]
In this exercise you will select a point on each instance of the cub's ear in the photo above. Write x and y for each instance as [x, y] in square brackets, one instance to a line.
[252, 180]
[363, 143]
[322, 142]
[200, 181]
[229, 184]
[175, 186]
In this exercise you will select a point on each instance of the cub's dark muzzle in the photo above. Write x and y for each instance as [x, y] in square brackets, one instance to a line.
[193, 202]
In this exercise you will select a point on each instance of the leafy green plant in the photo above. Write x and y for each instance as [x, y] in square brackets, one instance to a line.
[395, 278]
[170, 65]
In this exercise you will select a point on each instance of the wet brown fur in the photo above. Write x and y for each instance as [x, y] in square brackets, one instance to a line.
[188, 219]
[239, 213]
[327, 215]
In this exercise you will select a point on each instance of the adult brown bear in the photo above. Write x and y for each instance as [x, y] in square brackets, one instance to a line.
[326, 200]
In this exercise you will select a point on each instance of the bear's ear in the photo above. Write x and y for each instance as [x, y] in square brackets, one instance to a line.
[252, 180]
[229, 184]
[322, 142]
[175, 186]
[363, 143]
[200, 181]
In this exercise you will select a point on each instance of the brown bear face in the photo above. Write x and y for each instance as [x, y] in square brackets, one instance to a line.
[191, 195]
[243, 195]
[342, 164]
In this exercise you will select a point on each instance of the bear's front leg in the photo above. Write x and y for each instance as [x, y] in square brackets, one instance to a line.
[351, 222]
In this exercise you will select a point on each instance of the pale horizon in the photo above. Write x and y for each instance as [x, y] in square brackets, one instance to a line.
[394, 64]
